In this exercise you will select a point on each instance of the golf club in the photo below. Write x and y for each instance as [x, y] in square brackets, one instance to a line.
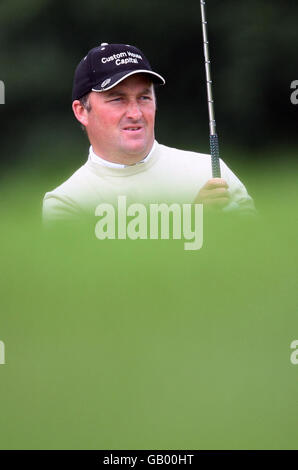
[214, 149]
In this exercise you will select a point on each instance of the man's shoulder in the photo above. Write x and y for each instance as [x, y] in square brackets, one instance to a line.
[70, 198]
[79, 179]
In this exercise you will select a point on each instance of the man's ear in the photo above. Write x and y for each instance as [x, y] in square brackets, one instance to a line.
[80, 112]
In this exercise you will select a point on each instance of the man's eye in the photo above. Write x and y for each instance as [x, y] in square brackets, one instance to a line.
[146, 97]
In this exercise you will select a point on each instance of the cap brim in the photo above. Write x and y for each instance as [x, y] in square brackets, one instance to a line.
[119, 77]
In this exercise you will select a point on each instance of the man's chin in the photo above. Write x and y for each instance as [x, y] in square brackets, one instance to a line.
[137, 149]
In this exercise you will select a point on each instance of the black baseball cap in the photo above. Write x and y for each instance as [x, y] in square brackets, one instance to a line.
[107, 65]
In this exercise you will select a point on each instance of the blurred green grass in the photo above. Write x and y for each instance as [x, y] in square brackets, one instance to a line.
[142, 345]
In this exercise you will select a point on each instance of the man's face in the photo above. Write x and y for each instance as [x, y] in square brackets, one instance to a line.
[120, 124]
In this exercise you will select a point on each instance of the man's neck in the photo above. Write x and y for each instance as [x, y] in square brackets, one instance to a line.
[112, 164]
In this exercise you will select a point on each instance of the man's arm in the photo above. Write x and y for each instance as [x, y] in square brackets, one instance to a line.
[58, 208]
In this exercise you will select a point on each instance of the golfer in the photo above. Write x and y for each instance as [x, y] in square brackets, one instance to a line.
[114, 100]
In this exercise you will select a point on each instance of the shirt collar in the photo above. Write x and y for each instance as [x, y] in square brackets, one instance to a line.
[101, 161]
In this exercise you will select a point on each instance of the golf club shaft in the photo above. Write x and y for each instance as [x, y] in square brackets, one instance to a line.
[214, 149]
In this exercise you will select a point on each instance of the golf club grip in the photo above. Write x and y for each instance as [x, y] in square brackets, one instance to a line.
[214, 156]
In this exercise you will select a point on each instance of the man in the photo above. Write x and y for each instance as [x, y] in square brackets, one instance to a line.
[114, 100]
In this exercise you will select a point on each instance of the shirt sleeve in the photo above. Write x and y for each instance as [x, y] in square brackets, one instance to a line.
[58, 207]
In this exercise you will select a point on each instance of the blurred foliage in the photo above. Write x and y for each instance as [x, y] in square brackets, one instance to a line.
[253, 53]
[121, 344]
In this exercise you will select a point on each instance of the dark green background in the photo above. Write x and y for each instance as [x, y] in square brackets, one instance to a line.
[253, 47]
[140, 344]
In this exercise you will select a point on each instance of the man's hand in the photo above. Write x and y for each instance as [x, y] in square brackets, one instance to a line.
[214, 194]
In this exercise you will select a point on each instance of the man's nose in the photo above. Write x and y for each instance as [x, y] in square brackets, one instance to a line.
[133, 110]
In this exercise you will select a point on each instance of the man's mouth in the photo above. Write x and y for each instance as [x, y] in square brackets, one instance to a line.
[132, 128]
